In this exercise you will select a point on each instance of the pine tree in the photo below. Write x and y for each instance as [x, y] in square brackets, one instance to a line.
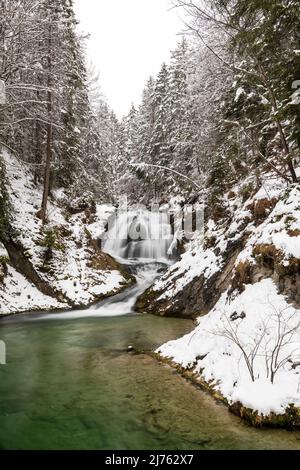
[181, 119]
[131, 135]
[160, 151]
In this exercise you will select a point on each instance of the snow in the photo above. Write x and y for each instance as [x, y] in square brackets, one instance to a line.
[271, 398]
[276, 229]
[271, 188]
[218, 359]
[239, 92]
[111, 279]
[284, 242]
[19, 295]
[295, 98]
[103, 213]
[3, 252]
[107, 281]
[255, 312]
[72, 272]
[192, 264]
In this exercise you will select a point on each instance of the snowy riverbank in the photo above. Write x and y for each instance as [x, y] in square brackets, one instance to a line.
[247, 348]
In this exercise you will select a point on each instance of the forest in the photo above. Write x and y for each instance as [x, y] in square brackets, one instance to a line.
[224, 107]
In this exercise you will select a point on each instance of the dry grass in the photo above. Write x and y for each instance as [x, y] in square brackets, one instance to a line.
[209, 242]
[261, 209]
[231, 195]
[242, 276]
[270, 257]
[219, 212]
[294, 233]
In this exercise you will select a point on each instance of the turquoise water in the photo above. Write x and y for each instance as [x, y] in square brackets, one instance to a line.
[72, 385]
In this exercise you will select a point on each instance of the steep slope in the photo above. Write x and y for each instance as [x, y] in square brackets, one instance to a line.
[63, 259]
[193, 285]
[246, 350]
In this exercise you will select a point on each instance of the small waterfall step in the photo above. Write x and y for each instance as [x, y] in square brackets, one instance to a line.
[139, 235]
[140, 240]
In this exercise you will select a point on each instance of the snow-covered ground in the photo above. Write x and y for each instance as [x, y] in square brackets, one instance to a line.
[76, 269]
[17, 294]
[254, 330]
[255, 320]
[192, 264]
[103, 213]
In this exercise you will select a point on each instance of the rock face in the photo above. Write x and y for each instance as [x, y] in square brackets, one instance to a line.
[22, 264]
[197, 297]
[246, 246]
[97, 261]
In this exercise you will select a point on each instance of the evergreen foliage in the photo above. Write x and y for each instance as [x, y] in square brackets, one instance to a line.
[222, 108]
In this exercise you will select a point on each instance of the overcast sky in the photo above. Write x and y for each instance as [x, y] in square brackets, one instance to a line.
[129, 41]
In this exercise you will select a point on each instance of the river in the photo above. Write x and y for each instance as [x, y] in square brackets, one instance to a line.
[70, 383]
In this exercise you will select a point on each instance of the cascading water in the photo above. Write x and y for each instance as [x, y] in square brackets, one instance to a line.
[139, 235]
[141, 241]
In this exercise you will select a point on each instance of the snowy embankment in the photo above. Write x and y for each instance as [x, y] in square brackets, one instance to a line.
[17, 294]
[249, 322]
[64, 253]
[247, 348]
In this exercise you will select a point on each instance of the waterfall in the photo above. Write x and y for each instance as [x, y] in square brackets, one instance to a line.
[141, 240]
[139, 235]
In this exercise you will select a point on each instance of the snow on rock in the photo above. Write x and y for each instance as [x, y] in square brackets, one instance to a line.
[103, 213]
[3, 252]
[280, 229]
[270, 189]
[191, 265]
[239, 92]
[253, 317]
[17, 294]
[76, 267]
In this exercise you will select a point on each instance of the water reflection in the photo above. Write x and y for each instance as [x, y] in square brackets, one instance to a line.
[72, 385]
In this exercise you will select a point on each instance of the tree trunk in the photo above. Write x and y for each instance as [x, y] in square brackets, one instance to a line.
[283, 139]
[38, 139]
[43, 213]
[38, 150]
[286, 151]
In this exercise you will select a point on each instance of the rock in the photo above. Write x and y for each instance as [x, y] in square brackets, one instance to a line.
[197, 297]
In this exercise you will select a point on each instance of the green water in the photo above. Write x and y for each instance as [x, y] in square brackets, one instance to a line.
[72, 385]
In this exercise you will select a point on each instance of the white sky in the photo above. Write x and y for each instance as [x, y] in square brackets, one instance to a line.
[129, 41]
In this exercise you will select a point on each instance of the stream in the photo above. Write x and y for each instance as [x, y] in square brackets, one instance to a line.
[70, 382]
